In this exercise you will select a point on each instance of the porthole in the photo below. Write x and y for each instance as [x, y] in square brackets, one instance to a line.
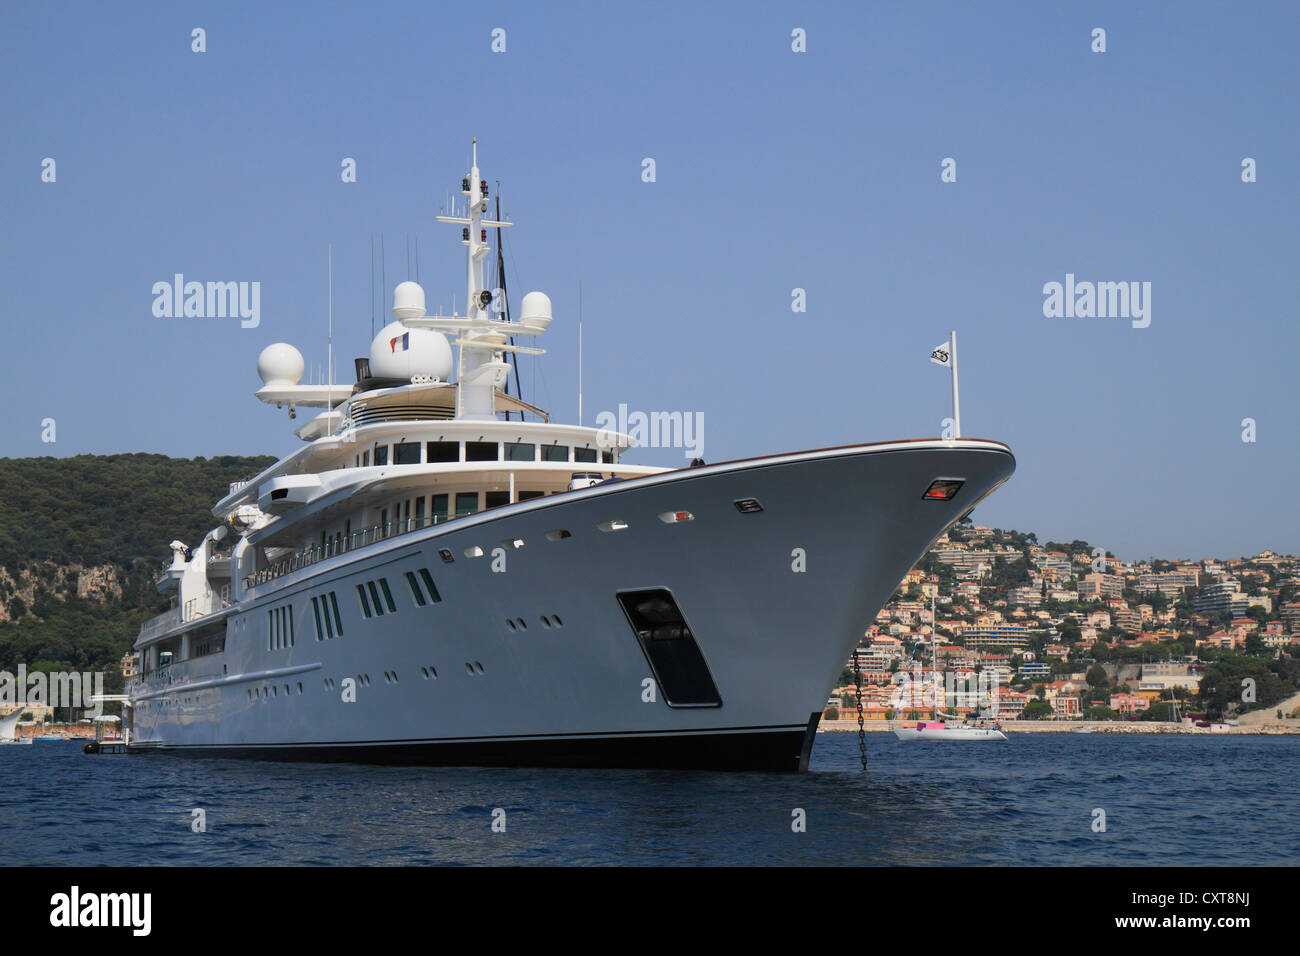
[469, 668]
[555, 618]
[478, 667]
[614, 524]
[546, 621]
[510, 624]
[559, 534]
[474, 552]
[520, 622]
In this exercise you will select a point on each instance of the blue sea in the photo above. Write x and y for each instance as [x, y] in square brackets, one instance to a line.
[1034, 800]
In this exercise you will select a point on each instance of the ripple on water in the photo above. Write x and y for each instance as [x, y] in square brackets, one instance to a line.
[1193, 800]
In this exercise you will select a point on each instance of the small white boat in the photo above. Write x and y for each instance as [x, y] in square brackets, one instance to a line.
[941, 730]
[9, 728]
[1080, 730]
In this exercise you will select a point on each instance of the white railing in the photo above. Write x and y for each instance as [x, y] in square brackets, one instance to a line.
[341, 545]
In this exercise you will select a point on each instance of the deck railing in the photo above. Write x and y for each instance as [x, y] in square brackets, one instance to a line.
[341, 544]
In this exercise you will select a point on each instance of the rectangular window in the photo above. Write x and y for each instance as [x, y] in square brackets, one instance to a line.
[584, 454]
[530, 495]
[521, 451]
[443, 451]
[466, 503]
[329, 631]
[270, 629]
[419, 511]
[607, 457]
[338, 620]
[495, 499]
[439, 506]
[381, 454]
[555, 453]
[320, 632]
[374, 598]
[288, 614]
[388, 595]
[365, 605]
[481, 451]
[416, 593]
[428, 583]
[406, 453]
[365, 459]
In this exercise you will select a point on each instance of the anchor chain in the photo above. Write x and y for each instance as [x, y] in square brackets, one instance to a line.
[862, 733]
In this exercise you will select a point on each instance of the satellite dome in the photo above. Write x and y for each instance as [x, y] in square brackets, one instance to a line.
[535, 310]
[399, 352]
[280, 364]
[408, 300]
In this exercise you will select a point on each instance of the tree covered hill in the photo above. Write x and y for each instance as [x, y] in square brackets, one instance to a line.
[114, 515]
[93, 510]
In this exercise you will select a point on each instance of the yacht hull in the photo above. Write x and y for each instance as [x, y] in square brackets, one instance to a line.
[534, 654]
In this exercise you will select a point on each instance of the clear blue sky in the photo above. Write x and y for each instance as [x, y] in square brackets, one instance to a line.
[775, 170]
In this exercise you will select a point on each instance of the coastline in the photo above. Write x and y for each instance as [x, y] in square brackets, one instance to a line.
[1096, 726]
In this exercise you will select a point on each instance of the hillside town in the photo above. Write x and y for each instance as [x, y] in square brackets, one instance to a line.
[1064, 632]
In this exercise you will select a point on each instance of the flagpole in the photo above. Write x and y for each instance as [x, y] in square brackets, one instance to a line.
[956, 403]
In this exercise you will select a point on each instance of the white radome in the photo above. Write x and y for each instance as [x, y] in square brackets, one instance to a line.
[422, 352]
[280, 364]
[535, 310]
[408, 300]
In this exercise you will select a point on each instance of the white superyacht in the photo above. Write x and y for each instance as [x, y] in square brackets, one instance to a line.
[430, 579]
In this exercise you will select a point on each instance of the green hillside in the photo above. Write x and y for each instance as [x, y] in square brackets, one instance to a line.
[119, 511]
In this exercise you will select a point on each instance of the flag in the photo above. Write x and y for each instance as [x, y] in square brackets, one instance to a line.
[942, 355]
[401, 343]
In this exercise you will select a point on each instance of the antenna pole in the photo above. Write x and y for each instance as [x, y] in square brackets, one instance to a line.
[331, 332]
[956, 403]
[579, 352]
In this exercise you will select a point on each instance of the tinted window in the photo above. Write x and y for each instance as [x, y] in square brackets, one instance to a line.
[480, 451]
[529, 495]
[406, 453]
[555, 453]
[607, 457]
[381, 454]
[466, 502]
[439, 507]
[443, 451]
[584, 454]
[495, 499]
[520, 451]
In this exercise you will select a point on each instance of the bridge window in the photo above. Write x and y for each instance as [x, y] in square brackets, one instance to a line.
[406, 453]
[481, 451]
[584, 454]
[555, 453]
[439, 507]
[442, 451]
[466, 503]
[521, 451]
[381, 454]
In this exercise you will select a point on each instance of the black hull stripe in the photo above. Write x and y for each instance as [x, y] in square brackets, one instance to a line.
[782, 750]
